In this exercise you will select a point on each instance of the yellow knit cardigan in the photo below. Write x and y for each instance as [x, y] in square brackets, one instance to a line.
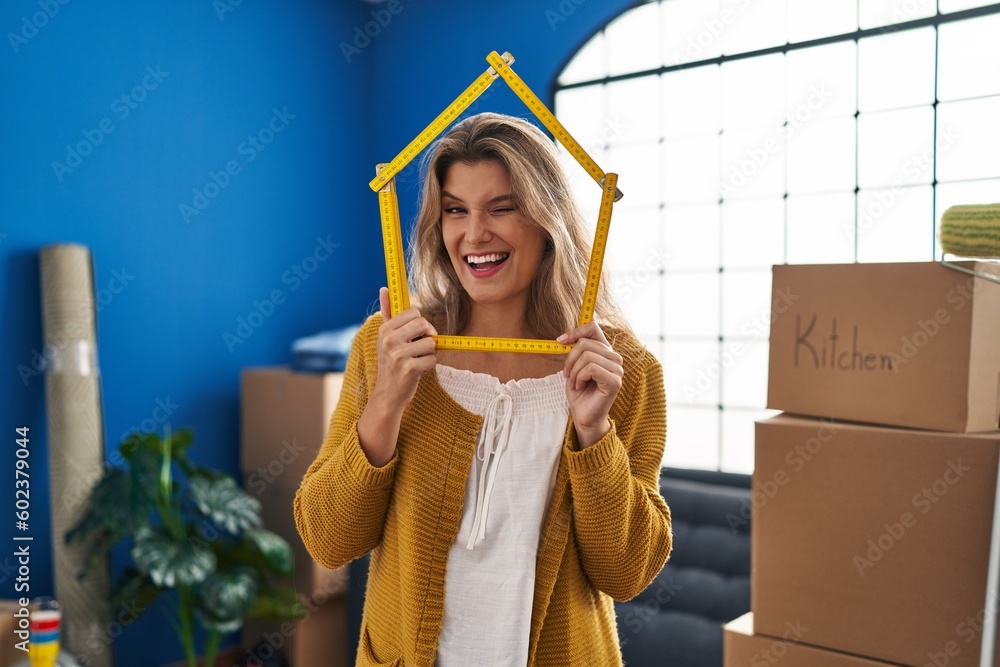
[605, 536]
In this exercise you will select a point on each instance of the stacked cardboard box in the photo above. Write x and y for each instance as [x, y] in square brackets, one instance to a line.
[873, 507]
[284, 419]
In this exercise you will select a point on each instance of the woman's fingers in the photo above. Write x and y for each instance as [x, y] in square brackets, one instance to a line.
[588, 337]
[589, 330]
[599, 366]
[409, 329]
[589, 346]
[405, 351]
[383, 302]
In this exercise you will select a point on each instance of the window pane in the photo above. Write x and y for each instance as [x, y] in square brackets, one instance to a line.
[896, 70]
[748, 26]
[808, 19]
[634, 241]
[753, 233]
[744, 383]
[746, 302]
[738, 433]
[585, 191]
[691, 236]
[633, 110]
[821, 229]
[638, 168]
[692, 438]
[821, 156]
[753, 92]
[875, 13]
[583, 112]
[893, 147]
[969, 58]
[637, 26]
[692, 304]
[686, 34]
[824, 78]
[971, 192]
[968, 139]
[590, 62]
[947, 6]
[689, 375]
[639, 295]
[895, 225]
[691, 170]
[753, 163]
[691, 102]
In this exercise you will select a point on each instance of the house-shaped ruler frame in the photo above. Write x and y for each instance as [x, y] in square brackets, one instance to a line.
[384, 185]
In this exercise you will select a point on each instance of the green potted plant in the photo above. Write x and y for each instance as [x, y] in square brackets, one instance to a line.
[193, 531]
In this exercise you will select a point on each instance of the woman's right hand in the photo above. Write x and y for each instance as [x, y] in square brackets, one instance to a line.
[405, 352]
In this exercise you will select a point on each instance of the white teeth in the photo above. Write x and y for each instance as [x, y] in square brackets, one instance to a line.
[480, 259]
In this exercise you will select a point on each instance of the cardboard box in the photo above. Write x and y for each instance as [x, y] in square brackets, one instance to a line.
[875, 538]
[907, 344]
[318, 639]
[742, 648]
[285, 417]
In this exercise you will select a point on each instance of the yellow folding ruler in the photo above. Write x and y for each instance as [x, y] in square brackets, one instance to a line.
[384, 184]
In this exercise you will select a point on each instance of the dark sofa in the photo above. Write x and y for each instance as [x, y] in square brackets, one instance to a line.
[677, 620]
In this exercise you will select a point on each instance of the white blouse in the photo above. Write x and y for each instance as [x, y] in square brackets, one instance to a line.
[490, 576]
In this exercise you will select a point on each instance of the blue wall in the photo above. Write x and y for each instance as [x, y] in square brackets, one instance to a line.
[201, 78]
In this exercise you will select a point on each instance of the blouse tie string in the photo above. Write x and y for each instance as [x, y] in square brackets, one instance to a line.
[492, 444]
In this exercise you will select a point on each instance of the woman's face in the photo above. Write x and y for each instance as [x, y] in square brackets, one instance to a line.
[495, 254]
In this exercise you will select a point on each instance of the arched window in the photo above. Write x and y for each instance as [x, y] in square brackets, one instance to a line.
[748, 133]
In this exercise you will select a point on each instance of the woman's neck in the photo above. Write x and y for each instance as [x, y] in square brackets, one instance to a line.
[497, 320]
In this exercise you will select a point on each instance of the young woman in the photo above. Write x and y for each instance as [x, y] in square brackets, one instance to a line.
[506, 498]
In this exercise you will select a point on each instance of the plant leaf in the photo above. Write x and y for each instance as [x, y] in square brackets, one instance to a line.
[109, 517]
[170, 563]
[276, 551]
[277, 603]
[222, 626]
[180, 441]
[133, 596]
[106, 508]
[138, 442]
[151, 443]
[226, 504]
[228, 594]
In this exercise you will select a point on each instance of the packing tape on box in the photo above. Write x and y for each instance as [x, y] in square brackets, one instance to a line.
[76, 442]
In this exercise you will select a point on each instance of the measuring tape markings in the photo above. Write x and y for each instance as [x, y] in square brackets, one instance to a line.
[436, 126]
[484, 344]
[558, 130]
[610, 185]
[384, 184]
[397, 232]
[395, 265]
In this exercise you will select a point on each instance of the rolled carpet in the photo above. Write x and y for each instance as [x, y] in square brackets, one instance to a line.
[971, 230]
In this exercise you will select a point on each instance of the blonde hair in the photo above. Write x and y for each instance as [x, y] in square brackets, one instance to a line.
[545, 203]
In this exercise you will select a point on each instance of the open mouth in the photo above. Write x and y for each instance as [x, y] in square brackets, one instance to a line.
[486, 262]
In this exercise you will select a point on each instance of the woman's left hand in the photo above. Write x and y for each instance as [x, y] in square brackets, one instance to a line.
[593, 378]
